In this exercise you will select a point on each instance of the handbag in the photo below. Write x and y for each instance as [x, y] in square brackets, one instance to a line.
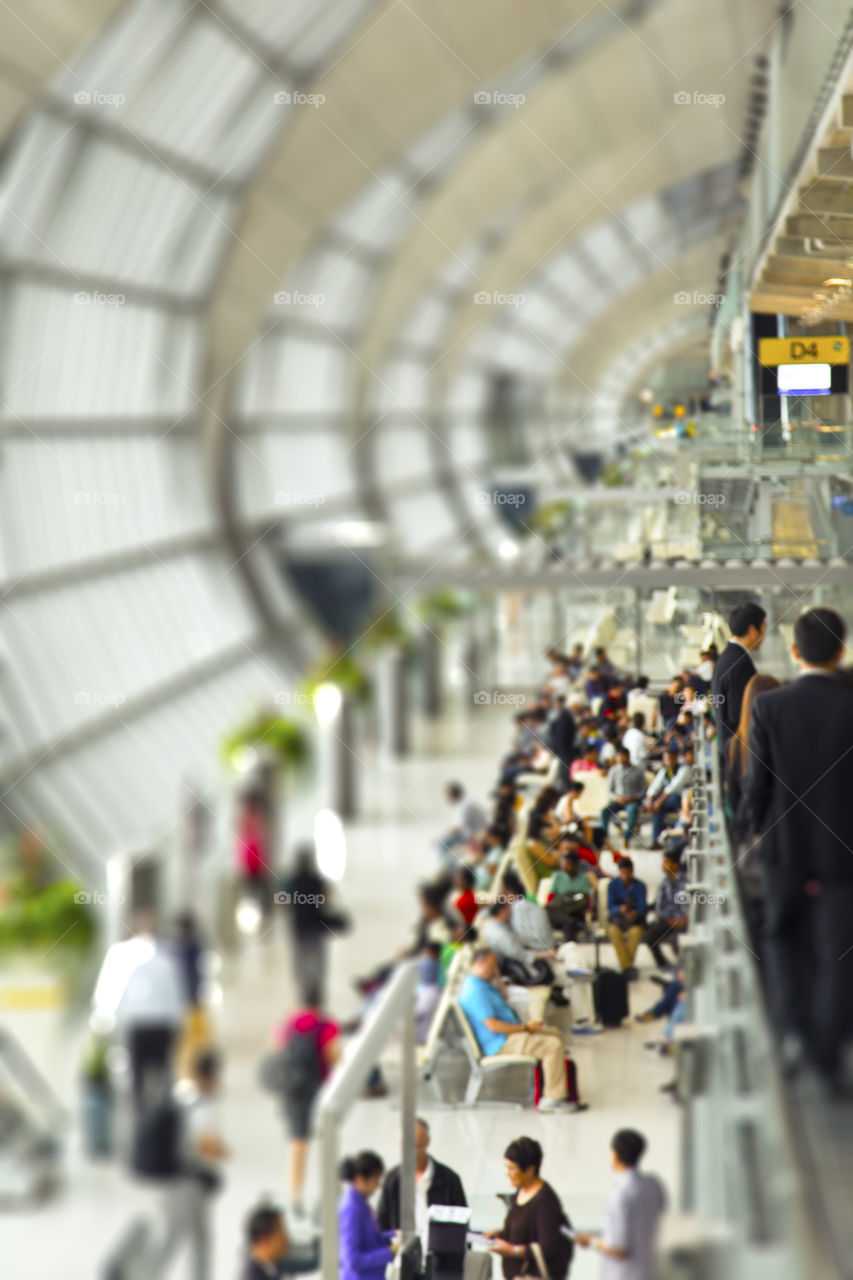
[337, 921]
[541, 1265]
[537, 974]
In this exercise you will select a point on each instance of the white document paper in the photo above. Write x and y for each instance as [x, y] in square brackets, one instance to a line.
[460, 1213]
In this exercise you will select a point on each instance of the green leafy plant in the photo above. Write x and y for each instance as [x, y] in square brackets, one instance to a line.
[283, 738]
[553, 517]
[386, 629]
[612, 476]
[51, 923]
[445, 605]
[346, 672]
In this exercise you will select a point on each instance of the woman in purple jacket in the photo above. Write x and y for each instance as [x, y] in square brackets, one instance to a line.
[365, 1250]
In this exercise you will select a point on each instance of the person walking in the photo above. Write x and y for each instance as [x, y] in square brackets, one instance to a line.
[628, 1243]
[140, 994]
[308, 1047]
[188, 1197]
[305, 895]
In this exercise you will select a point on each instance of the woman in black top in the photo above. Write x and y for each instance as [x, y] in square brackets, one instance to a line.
[535, 1217]
[745, 847]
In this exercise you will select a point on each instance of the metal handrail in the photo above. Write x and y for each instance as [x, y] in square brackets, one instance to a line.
[394, 1009]
[742, 1180]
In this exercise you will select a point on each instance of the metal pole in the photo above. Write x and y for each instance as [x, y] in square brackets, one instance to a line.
[407, 1163]
[329, 1204]
[638, 630]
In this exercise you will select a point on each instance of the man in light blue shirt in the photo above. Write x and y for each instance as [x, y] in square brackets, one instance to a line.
[497, 1029]
[629, 1241]
[664, 793]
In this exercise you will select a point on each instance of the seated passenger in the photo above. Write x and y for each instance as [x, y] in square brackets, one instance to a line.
[665, 789]
[625, 787]
[469, 820]
[487, 859]
[607, 752]
[604, 665]
[463, 900]
[433, 926]
[427, 991]
[528, 919]
[670, 911]
[595, 685]
[522, 965]
[636, 740]
[615, 700]
[626, 913]
[572, 890]
[588, 762]
[497, 1029]
[671, 701]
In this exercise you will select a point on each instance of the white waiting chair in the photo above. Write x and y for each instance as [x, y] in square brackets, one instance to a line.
[482, 1065]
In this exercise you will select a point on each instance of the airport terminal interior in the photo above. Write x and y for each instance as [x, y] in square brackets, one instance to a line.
[426, 559]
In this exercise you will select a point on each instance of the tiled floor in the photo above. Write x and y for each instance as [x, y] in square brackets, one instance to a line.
[389, 851]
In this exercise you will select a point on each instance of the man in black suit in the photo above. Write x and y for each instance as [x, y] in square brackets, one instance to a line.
[434, 1184]
[798, 787]
[733, 671]
[561, 734]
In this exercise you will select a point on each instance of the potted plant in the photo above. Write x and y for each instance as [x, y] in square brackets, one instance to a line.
[280, 739]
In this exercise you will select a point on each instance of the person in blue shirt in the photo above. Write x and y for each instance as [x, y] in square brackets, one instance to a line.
[497, 1029]
[626, 912]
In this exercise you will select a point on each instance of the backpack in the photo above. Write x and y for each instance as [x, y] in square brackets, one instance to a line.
[293, 1071]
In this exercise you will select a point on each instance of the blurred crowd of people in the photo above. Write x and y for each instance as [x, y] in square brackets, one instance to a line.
[599, 766]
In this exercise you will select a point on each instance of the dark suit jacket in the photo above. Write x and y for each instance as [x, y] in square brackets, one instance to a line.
[562, 733]
[733, 671]
[445, 1188]
[799, 782]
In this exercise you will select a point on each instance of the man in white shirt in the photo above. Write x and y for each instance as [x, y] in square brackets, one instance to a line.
[637, 1200]
[139, 993]
[469, 820]
[435, 1183]
[636, 741]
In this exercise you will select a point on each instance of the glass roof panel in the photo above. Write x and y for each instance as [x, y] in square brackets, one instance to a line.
[97, 355]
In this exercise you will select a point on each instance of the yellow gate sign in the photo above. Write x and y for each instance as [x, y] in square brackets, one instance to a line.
[831, 350]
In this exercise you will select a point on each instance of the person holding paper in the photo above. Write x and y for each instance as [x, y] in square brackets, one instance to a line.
[435, 1184]
[628, 1244]
[535, 1239]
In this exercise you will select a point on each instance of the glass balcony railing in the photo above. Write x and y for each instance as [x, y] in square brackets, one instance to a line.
[756, 1201]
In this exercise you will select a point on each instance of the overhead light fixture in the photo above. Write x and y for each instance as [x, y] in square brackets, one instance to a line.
[327, 703]
[360, 533]
[508, 549]
[331, 844]
[837, 280]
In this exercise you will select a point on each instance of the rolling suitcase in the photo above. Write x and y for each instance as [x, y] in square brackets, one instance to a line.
[610, 997]
[573, 1090]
